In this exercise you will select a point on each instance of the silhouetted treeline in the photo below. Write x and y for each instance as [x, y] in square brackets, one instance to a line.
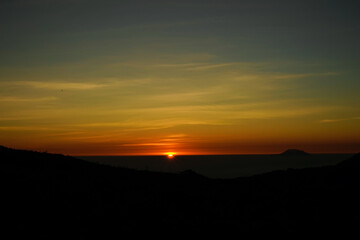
[49, 194]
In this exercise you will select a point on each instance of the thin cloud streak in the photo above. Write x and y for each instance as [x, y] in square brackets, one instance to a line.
[339, 120]
[64, 85]
[145, 144]
[91, 84]
[277, 76]
[20, 99]
[28, 128]
[211, 66]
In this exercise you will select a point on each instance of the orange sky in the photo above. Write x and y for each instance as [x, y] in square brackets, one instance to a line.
[222, 77]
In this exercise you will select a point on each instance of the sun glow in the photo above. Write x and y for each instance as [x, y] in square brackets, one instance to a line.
[170, 155]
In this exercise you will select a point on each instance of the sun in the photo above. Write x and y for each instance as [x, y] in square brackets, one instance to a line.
[170, 155]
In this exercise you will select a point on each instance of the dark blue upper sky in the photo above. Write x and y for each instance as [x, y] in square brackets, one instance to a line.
[235, 30]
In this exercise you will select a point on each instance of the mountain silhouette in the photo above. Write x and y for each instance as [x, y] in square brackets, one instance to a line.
[191, 173]
[294, 152]
[354, 161]
[54, 195]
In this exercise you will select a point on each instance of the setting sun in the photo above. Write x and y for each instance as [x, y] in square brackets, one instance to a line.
[170, 155]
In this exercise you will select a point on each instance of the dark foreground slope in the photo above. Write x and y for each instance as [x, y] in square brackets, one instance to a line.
[47, 194]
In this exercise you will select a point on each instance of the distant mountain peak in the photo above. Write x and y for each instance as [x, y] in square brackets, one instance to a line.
[294, 152]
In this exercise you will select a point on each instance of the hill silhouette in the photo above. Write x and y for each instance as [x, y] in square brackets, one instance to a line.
[294, 152]
[55, 195]
[354, 161]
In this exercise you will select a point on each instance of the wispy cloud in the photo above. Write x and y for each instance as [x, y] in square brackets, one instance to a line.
[339, 120]
[227, 114]
[90, 84]
[211, 66]
[199, 66]
[170, 140]
[139, 125]
[278, 76]
[20, 99]
[178, 65]
[28, 128]
[204, 94]
[145, 144]
[63, 85]
[303, 75]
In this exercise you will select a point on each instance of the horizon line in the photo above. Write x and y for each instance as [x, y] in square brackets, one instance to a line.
[230, 154]
[165, 154]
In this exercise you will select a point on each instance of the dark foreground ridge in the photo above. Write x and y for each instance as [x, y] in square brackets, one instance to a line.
[56, 195]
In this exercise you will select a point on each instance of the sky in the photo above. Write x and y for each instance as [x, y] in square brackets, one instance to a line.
[106, 77]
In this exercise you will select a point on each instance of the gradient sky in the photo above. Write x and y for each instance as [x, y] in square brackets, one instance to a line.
[106, 77]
